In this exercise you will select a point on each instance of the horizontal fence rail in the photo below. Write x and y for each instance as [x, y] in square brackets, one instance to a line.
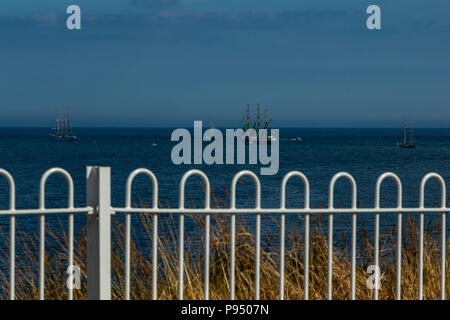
[99, 211]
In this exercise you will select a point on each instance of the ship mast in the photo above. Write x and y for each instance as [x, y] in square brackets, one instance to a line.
[64, 113]
[404, 131]
[266, 124]
[56, 122]
[60, 122]
[247, 125]
[68, 121]
[257, 117]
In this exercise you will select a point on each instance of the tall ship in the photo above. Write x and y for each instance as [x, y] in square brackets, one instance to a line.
[411, 144]
[62, 130]
[257, 126]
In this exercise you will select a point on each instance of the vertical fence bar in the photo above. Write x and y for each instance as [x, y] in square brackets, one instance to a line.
[207, 231]
[232, 254]
[71, 226]
[443, 235]
[354, 206]
[42, 240]
[353, 272]
[330, 240]
[180, 255]
[258, 255]
[421, 227]
[207, 247]
[443, 256]
[282, 243]
[70, 204]
[330, 233]
[129, 186]
[258, 241]
[155, 254]
[41, 256]
[421, 223]
[399, 257]
[283, 227]
[70, 200]
[306, 259]
[377, 254]
[12, 233]
[127, 254]
[181, 244]
[12, 257]
[255, 179]
[205, 179]
[99, 233]
[431, 175]
[377, 230]
[330, 258]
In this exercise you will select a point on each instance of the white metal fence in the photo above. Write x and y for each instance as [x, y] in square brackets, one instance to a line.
[99, 210]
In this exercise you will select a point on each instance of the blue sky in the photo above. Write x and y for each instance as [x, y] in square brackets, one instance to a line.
[170, 62]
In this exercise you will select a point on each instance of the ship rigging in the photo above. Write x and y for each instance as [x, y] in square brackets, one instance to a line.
[62, 129]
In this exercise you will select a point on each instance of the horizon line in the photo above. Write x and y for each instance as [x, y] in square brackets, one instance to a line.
[227, 127]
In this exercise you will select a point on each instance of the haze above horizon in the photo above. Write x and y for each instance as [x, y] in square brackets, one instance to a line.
[169, 62]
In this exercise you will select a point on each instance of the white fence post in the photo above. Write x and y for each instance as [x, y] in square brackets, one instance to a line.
[98, 190]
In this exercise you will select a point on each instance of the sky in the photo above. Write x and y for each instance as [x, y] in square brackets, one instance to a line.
[169, 62]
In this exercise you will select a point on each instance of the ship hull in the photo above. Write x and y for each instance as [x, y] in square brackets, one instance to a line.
[407, 146]
[255, 140]
[63, 138]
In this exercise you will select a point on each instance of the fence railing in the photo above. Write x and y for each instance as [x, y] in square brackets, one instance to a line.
[99, 211]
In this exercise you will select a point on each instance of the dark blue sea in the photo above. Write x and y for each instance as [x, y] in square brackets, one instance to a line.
[365, 153]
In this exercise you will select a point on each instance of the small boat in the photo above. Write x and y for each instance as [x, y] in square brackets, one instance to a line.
[154, 144]
[62, 130]
[411, 144]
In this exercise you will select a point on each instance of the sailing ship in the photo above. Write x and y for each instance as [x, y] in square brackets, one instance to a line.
[411, 144]
[257, 126]
[62, 129]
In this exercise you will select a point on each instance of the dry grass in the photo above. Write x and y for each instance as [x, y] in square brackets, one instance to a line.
[27, 262]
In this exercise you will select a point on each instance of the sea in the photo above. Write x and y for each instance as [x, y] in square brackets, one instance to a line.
[319, 153]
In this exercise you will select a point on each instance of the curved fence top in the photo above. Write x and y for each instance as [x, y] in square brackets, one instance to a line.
[335, 178]
[12, 188]
[44, 178]
[130, 180]
[205, 179]
[255, 179]
[398, 182]
[286, 178]
[432, 175]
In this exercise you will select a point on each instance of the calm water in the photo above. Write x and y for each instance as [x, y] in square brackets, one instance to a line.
[364, 153]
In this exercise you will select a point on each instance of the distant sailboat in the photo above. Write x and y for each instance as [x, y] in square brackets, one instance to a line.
[62, 129]
[411, 144]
